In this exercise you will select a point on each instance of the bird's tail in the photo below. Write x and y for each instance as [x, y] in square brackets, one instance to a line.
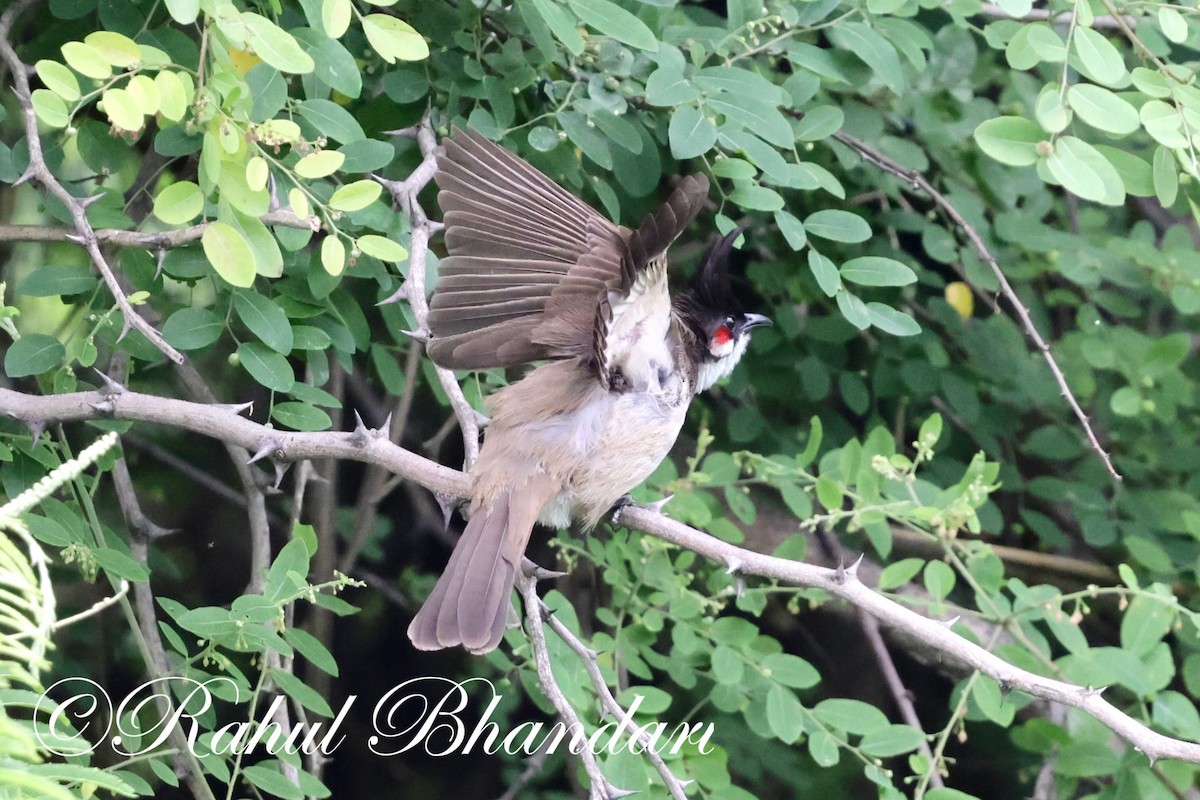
[469, 604]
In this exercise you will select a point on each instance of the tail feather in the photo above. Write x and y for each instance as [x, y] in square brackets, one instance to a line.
[469, 604]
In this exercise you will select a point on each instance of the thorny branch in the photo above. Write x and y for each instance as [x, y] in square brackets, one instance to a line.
[38, 171]
[404, 194]
[914, 179]
[223, 423]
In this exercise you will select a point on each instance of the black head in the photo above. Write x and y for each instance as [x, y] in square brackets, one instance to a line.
[721, 327]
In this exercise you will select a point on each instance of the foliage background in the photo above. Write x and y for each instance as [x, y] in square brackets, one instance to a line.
[1064, 135]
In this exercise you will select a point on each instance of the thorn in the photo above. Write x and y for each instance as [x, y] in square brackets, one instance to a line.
[852, 570]
[481, 420]
[160, 256]
[950, 623]
[36, 428]
[384, 431]
[420, 334]
[113, 387]
[658, 505]
[26, 176]
[434, 227]
[733, 564]
[84, 202]
[281, 468]
[105, 406]
[237, 408]
[74, 238]
[683, 784]
[395, 297]
[125, 326]
[739, 586]
[268, 448]
[446, 502]
[616, 794]
[361, 436]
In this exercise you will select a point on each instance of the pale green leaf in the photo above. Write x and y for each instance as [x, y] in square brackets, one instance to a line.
[394, 39]
[179, 203]
[229, 253]
[355, 196]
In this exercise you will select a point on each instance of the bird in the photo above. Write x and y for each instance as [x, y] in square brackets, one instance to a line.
[534, 274]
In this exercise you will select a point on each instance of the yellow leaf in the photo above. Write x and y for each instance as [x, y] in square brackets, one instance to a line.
[243, 60]
[960, 298]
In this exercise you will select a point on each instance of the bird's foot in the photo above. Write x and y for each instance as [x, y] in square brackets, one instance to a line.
[627, 500]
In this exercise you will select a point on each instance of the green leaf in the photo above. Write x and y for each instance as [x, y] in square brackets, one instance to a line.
[853, 309]
[355, 196]
[690, 133]
[819, 123]
[1051, 110]
[620, 130]
[1172, 24]
[1146, 622]
[394, 39]
[192, 328]
[877, 271]
[612, 20]
[33, 354]
[276, 46]
[825, 272]
[756, 198]
[311, 648]
[838, 226]
[86, 60]
[1136, 175]
[301, 692]
[300, 416]
[829, 493]
[753, 114]
[119, 564]
[1087, 759]
[229, 253]
[333, 255]
[899, 573]
[851, 716]
[667, 86]
[50, 108]
[892, 320]
[785, 715]
[335, 17]
[116, 48]
[1163, 123]
[790, 670]
[381, 247]
[172, 95]
[891, 741]
[331, 120]
[179, 203]
[875, 51]
[1102, 109]
[58, 279]
[272, 782]
[1010, 140]
[58, 79]
[939, 579]
[266, 366]
[1082, 170]
[319, 164]
[183, 11]
[1100, 58]
[1166, 177]
[560, 24]
[593, 143]
[265, 320]
[791, 228]
[122, 110]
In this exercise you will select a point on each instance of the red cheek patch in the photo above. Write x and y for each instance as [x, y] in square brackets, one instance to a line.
[722, 335]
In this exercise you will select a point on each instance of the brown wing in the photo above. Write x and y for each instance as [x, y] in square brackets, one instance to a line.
[514, 238]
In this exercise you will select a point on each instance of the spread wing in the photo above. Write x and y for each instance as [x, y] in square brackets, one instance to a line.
[515, 240]
[535, 273]
[634, 313]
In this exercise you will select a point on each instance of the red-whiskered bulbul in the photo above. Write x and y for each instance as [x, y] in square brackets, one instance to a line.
[533, 274]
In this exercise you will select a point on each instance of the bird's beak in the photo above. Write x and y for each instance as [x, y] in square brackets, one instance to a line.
[756, 321]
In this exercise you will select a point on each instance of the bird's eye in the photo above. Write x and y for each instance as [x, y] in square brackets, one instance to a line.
[722, 335]
[730, 321]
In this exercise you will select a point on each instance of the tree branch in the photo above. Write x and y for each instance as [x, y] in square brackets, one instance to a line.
[914, 179]
[223, 423]
[37, 170]
[157, 240]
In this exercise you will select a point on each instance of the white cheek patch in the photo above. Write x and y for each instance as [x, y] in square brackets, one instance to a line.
[720, 350]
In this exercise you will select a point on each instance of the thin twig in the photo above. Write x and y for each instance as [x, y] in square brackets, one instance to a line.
[158, 240]
[1060, 18]
[404, 194]
[916, 180]
[37, 170]
[600, 789]
[220, 422]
